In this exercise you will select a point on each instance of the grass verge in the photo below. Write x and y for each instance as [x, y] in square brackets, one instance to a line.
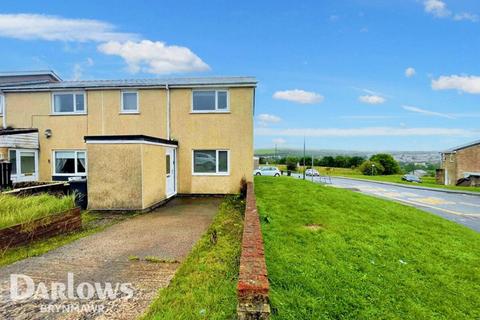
[204, 287]
[367, 258]
[16, 210]
[91, 223]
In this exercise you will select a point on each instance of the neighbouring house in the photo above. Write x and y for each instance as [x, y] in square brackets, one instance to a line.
[459, 164]
[138, 142]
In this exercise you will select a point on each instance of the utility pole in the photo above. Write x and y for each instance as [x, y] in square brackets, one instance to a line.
[275, 153]
[303, 157]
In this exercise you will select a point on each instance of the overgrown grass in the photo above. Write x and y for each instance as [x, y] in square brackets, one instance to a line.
[16, 210]
[369, 259]
[204, 287]
[90, 225]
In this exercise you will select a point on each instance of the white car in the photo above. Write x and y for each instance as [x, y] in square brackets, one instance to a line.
[312, 173]
[267, 171]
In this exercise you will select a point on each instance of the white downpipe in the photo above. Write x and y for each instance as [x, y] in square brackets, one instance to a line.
[4, 111]
[168, 111]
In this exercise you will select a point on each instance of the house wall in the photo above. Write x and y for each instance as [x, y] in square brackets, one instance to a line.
[115, 176]
[154, 174]
[450, 166]
[468, 160]
[232, 131]
[33, 110]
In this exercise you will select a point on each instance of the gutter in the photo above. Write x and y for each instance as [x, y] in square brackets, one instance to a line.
[168, 111]
[4, 111]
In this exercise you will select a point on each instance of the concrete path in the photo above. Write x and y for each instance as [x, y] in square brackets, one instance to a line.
[167, 233]
[461, 208]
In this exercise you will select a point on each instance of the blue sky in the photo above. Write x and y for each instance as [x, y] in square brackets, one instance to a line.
[356, 75]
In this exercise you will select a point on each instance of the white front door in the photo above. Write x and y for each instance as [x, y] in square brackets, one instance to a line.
[24, 164]
[171, 170]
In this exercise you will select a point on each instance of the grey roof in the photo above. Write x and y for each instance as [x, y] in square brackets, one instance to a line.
[464, 146]
[138, 83]
[30, 73]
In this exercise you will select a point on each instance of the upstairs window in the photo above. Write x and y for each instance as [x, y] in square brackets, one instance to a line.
[69, 102]
[210, 101]
[2, 102]
[129, 102]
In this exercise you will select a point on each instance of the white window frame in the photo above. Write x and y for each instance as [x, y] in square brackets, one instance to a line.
[2, 104]
[216, 173]
[74, 93]
[227, 110]
[76, 174]
[122, 110]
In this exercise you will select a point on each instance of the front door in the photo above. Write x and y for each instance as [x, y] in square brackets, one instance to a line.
[24, 164]
[171, 171]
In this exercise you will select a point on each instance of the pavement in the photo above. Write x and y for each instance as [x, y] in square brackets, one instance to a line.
[167, 234]
[458, 207]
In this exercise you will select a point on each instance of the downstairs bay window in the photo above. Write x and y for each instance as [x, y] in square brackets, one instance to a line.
[70, 163]
[211, 162]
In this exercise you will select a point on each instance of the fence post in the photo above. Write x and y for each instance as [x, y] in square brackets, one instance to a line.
[5, 175]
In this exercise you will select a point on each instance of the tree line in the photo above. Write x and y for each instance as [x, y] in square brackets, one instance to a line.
[378, 164]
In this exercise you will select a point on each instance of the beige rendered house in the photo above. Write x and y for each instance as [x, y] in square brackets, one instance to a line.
[138, 142]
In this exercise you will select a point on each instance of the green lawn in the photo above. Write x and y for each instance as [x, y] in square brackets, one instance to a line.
[205, 285]
[367, 258]
[397, 178]
[15, 210]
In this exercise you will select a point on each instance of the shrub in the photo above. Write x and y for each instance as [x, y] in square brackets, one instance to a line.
[371, 168]
[291, 163]
[389, 164]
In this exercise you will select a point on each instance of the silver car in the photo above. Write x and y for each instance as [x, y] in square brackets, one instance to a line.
[267, 171]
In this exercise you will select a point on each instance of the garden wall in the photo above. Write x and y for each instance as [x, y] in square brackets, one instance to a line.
[253, 286]
[41, 228]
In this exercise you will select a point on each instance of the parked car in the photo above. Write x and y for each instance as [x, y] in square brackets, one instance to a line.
[411, 178]
[312, 173]
[267, 171]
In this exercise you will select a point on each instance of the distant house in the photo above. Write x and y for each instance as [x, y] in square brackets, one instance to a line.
[459, 163]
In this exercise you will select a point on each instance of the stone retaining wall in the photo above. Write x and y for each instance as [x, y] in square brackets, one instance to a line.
[253, 287]
[41, 228]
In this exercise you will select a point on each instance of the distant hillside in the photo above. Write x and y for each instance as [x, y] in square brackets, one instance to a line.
[402, 156]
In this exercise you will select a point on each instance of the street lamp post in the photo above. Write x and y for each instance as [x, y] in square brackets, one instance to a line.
[373, 168]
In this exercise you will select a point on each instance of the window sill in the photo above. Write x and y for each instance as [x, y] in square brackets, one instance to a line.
[69, 114]
[70, 174]
[211, 174]
[129, 112]
[210, 112]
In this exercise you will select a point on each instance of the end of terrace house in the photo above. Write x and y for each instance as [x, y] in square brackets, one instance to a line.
[138, 142]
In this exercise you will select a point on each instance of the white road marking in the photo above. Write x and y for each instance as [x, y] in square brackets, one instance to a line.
[470, 204]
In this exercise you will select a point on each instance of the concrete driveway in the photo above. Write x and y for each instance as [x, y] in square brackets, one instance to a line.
[166, 234]
[460, 208]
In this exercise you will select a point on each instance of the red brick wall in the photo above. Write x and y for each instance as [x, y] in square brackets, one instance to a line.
[253, 287]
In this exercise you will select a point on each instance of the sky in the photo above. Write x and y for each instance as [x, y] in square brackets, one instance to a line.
[363, 75]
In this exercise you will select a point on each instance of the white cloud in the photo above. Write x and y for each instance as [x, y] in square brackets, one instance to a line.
[366, 132]
[410, 72]
[469, 84]
[366, 117]
[54, 28]
[428, 112]
[465, 16]
[437, 8]
[154, 57]
[372, 99]
[279, 141]
[299, 96]
[77, 71]
[269, 118]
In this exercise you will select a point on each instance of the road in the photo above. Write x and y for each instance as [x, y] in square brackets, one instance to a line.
[461, 208]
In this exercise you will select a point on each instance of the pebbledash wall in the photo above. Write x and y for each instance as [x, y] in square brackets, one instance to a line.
[140, 167]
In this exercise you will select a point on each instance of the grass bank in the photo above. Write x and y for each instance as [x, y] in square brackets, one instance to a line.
[16, 210]
[204, 287]
[336, 254]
